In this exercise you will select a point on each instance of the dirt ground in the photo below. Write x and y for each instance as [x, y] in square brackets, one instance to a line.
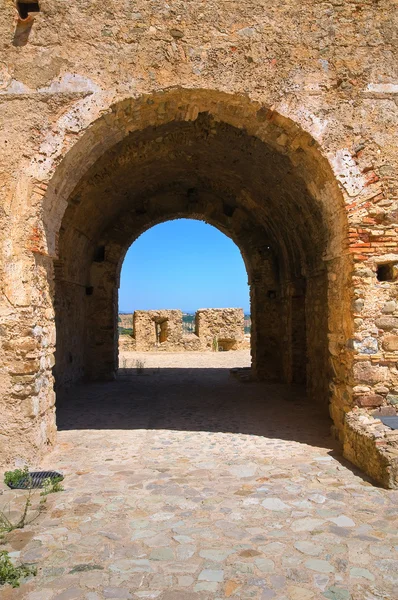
[186, 360]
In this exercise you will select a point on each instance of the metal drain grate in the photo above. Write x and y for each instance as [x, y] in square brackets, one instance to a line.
[35, 480]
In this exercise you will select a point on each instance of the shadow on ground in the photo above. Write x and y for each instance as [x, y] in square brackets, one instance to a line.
[195, 400]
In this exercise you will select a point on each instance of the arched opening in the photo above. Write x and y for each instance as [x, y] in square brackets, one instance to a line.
[252, 174]
[183, 289]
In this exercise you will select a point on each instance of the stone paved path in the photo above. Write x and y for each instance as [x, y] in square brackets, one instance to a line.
[186, 484]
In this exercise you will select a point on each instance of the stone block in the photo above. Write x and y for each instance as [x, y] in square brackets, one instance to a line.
[365, 372]
[389, 307]
[370, 400]
[392, 399]
[384, 411]
[390, 343]
[387, 323]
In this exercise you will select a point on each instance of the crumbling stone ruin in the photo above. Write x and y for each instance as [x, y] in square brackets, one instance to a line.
[162, 330]
[276, 123]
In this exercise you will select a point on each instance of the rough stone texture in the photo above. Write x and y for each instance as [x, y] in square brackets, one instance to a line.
[226, 326]
[275, 123]
[157, 328]
[246, 502]
[372, 446]
[163, 330]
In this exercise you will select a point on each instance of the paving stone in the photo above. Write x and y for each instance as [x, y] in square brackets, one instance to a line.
[321, 581]
[86, 567]
[93, 579]
[44, 594]
[161, 554]
[211, 575]
[309, 548]
[181, 567]
[183, 539]
[322, 566]
[267, 594]
[337, 593]
[358, 572]
[317, 498]
[70, 594]
[185, 581]
[179, 595]
[275, 504]
[53, 571]
[265, 565]
[269, 516]
[206, 586]
[299, 593]
[113, 592]
[342, 521]
[307, 524]
[278, 581]
[242, 567]
[217, 555]
[243, 471]
[273, 548]
[185, 552]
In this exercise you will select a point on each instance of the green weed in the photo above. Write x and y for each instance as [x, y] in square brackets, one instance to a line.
[11, 574]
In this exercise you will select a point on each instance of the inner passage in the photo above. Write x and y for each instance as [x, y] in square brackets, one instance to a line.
[206, 173]
[183, 292]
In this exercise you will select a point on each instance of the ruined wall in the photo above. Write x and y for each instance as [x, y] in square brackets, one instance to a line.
[157, 328]
[224, 327]
[372, 446]
[316, 82]
[162, 330]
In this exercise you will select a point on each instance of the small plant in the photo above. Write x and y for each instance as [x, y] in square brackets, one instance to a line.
[140, 365]
[52, 485]
[6, 525]
[12, 478]
[11, 574]
[215, 344]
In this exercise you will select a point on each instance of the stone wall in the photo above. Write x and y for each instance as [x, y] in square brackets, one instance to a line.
[222, 328]
[276, 123]
[372, 446]
[161, 330]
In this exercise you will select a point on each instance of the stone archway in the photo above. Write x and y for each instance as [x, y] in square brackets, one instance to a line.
[244, 167]
[250, 172]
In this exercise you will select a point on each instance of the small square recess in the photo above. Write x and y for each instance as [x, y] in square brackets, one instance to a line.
[391, 422]
[35, 480]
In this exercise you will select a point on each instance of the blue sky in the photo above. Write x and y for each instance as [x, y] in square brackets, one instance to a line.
[183, 264]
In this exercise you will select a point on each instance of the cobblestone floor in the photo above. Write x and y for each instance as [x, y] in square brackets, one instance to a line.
[187, 484]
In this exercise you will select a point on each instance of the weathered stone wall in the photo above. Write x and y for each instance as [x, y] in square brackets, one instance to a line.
[372, 446]
[157, 328]
[162, 330]
[277, 123]
[223, 326]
